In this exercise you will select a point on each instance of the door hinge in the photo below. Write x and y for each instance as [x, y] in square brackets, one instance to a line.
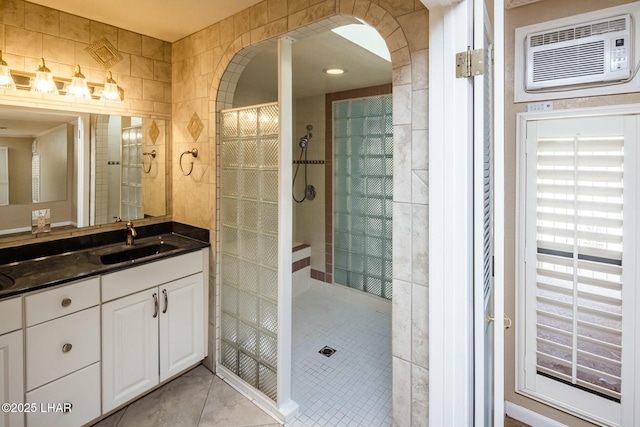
[470, 63]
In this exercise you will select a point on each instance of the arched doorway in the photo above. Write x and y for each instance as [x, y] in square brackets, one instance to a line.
[230, 82]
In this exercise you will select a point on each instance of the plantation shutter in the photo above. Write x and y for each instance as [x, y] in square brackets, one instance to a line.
[578, 286]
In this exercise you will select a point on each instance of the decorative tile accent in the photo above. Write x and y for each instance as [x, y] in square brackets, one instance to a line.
[308, 162]
[154, 132]
[299, 265]
[195, 126]
[103, 52]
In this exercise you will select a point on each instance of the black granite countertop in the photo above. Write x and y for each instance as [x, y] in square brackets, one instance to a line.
[79, 259]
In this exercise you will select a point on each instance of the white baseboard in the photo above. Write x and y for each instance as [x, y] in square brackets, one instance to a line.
[529, 417]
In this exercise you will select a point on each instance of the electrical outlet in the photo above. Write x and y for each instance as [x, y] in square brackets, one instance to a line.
[540, 106]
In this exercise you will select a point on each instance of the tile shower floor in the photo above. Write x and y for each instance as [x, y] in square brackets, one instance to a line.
[353, 386]
[350, 388]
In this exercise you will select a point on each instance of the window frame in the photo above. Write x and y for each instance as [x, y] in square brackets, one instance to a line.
[546, 390]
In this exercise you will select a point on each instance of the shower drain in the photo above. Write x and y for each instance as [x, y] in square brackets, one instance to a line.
[327, 351]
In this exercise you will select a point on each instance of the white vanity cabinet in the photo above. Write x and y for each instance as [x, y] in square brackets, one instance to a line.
[63, 354]
[155, 333]
[11, 360]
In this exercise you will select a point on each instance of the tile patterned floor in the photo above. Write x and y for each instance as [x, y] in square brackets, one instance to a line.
[195, 399]
[353, 386]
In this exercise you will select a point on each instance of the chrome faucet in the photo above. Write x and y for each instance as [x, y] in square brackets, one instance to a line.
[131, 233]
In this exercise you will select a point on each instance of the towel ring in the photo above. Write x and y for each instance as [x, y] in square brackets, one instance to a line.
[194, 153]
[152, 155]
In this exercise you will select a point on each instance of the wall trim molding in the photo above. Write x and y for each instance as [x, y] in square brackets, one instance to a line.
[529, 417]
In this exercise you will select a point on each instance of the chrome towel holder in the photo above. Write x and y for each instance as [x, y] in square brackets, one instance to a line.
[152, 155]
[194, 153]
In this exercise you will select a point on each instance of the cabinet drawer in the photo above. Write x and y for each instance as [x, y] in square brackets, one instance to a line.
[48, 358]
[61, 301]
[80, 389]
[132, 280]
[10, 315]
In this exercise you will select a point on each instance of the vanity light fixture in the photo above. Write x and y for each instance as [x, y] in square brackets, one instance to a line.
[78, 87]
[110, 91]
[44, 80]
[6, 81]
[334, 71]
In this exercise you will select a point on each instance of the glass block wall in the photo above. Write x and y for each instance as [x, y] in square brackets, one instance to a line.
[363, 194]
[249, 244]
[131, 173]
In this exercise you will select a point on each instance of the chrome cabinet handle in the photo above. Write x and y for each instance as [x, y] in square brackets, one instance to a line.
[155, 304]
[67, 348]
[166, 301]
[66, 302]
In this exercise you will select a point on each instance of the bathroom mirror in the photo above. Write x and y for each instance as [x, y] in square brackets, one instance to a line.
[37, 155]
[128, 178]
[87, 169]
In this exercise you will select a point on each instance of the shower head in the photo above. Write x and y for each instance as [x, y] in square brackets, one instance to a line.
[304, 141]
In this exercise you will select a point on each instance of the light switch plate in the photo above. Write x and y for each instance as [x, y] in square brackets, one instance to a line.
[540, 106]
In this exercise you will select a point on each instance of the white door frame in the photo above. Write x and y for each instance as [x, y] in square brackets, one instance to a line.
[498, 214]
[450, 215]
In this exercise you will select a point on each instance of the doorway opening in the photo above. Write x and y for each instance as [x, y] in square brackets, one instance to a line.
[323, 313]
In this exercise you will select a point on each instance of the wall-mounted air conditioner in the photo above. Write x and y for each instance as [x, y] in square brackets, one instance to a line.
[591, 52]
[583, 55]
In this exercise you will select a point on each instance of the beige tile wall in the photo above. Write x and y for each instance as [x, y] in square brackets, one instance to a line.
[206, 66]
[29, 32]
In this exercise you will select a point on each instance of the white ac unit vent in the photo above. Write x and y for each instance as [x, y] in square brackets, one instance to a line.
[587, 53]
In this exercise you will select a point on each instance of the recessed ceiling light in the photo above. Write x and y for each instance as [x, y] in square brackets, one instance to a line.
[334, 71]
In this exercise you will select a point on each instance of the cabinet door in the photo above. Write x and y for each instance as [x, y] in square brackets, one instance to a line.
[181, 325]
[130, 347]
[11, 377]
